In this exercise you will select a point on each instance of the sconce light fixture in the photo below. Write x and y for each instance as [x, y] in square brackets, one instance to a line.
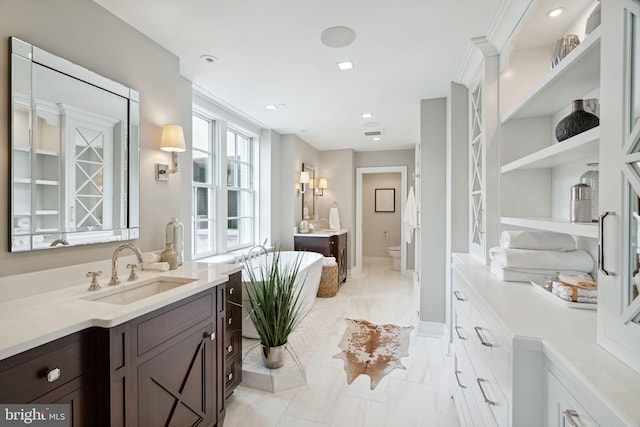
[322, 184]
[172, 141]
[305, 179]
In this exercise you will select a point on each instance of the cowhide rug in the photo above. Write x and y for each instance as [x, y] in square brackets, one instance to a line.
[373, 350]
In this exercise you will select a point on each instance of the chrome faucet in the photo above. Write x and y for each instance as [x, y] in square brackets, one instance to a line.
[260, 248]
[114, 261]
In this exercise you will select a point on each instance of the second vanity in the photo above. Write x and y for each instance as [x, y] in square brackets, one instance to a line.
[122, 355]
[330, 243]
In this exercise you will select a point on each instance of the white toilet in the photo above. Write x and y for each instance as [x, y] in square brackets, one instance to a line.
[395, 253]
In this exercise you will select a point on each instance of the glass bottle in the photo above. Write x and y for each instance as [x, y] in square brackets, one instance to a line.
[592, 178]
[175, 237]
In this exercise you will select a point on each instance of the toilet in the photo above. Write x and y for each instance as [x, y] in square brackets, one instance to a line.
[395, 253]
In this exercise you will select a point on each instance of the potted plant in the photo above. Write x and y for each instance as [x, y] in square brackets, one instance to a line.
[273, 303]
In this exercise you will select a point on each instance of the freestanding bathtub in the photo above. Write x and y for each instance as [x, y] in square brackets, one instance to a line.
[308, 277]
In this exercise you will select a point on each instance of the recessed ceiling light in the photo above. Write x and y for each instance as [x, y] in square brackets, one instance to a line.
[208, 58]
[271, 107]
[367, 115]
[345, 65]
[376, 138]
[555, 12]
[337, 36]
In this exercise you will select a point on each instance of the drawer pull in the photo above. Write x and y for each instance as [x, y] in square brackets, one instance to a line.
[458, 297]
[486, 399]
[457, 328]
[53, 375]
[568, 415]
[458, 379]
[482, 340]
[231, 291]
[230, 376]
[601, 244]
[230, 321]
[211, 336]
[230, 349]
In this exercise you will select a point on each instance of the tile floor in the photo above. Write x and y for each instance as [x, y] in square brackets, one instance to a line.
[417, 396]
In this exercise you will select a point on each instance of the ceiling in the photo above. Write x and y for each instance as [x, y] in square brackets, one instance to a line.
[269, 52]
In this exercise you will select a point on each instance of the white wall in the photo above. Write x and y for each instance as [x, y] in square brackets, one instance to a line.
[374, 224]
[433, 209]
[86, 34]
[406, 158]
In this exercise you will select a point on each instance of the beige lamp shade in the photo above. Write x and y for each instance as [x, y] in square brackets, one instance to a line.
[322, 183]
[172, 138]
[304, 178]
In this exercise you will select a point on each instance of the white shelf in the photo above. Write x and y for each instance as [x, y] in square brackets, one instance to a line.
[47, 212]
[577, 74]
[46, 182]
[22, 180]
[582, 146]
[47, 230]
[553, 224]
[22, 149]
[48, 153]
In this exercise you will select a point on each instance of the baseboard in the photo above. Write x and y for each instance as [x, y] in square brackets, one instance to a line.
[376, 259]
[431, 329]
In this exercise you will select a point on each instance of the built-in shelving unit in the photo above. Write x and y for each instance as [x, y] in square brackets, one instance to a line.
[577, 75]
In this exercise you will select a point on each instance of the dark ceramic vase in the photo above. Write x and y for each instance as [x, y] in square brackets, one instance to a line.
[576, 122]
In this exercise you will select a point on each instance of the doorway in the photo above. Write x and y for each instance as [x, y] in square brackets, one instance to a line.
[382, 204]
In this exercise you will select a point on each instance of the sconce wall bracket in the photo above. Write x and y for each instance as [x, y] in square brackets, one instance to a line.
[162, 172]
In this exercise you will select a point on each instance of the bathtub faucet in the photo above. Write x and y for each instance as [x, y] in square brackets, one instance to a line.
[257, 249]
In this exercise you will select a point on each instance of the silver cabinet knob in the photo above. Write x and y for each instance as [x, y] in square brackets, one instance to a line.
[53, 375]
[230, 321]
[230, 376]
[211, 336]
[230, 349]
[231, 291]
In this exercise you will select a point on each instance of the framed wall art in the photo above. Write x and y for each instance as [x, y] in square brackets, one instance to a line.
[385, 200]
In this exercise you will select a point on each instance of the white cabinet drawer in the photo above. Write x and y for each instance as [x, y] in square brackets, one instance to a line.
[563, 410]
[474, 411]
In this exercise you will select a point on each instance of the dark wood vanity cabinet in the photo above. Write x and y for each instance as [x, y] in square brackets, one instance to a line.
[329, 246]
[167, 367]
[60, 371]
[232, 348]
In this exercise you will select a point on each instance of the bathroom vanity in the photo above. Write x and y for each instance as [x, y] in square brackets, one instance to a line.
[163, 359]
[328, 243]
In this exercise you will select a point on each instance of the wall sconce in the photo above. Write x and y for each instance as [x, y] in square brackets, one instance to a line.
[322, 184]
[172, 141]
[305, 179]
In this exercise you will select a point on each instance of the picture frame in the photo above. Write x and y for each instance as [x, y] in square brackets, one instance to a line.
[385, 200]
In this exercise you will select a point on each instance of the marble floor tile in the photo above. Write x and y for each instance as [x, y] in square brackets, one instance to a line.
[415, 396]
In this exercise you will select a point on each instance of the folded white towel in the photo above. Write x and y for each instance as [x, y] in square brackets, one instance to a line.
[540, 240]
[548, 260]
[159, 266]
[508, 274]
[568, 297]
[329, 261]
[561, 288]
[150, 257]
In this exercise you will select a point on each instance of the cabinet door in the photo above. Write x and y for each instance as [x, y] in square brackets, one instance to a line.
[74, 394]
[619, 258]
[562, 408]
[176, 387]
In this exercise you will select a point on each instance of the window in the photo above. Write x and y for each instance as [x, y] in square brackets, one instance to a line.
[203, 188]
[240, 194]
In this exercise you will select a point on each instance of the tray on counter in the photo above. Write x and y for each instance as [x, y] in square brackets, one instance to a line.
[545, 288]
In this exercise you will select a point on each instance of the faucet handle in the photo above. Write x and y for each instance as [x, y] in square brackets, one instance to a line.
[132, 275]
[94, 286]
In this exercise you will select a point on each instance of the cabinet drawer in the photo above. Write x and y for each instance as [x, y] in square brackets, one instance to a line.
[29, 375]
[233, 321]
[562, 408]
[234, 288]
[232, 343]
[477, 412]
[169, 323]
[232, 372]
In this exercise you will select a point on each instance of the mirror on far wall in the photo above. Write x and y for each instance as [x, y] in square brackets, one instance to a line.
[74, 154]
[308, 201]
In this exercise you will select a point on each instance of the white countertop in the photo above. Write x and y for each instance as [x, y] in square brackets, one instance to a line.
[322, 233]
[34, 318]
[568, 335]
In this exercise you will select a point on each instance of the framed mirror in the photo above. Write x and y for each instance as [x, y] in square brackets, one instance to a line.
[74, 154]
[308, 199]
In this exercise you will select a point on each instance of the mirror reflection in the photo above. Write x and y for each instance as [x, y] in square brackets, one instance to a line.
[74, 159]
[308, 201]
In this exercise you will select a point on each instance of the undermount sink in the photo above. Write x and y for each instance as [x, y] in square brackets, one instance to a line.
[137, 291]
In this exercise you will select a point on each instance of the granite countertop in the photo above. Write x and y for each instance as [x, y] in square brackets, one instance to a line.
[56, 306]
[322, 233]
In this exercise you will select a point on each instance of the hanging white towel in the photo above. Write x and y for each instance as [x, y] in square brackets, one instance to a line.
[334, 217]
[410, 214]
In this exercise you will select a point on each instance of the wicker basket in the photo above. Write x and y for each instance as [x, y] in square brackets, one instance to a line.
[328, 281]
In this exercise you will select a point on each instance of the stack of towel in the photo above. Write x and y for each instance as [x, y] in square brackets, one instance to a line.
[537, 255]
[573, 293]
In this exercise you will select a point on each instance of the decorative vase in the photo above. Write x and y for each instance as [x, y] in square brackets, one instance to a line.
[592, 178]
[273, 357]
[175, 236]
[170, 256]
[562, 48]
[576, 122]
[593, 21]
